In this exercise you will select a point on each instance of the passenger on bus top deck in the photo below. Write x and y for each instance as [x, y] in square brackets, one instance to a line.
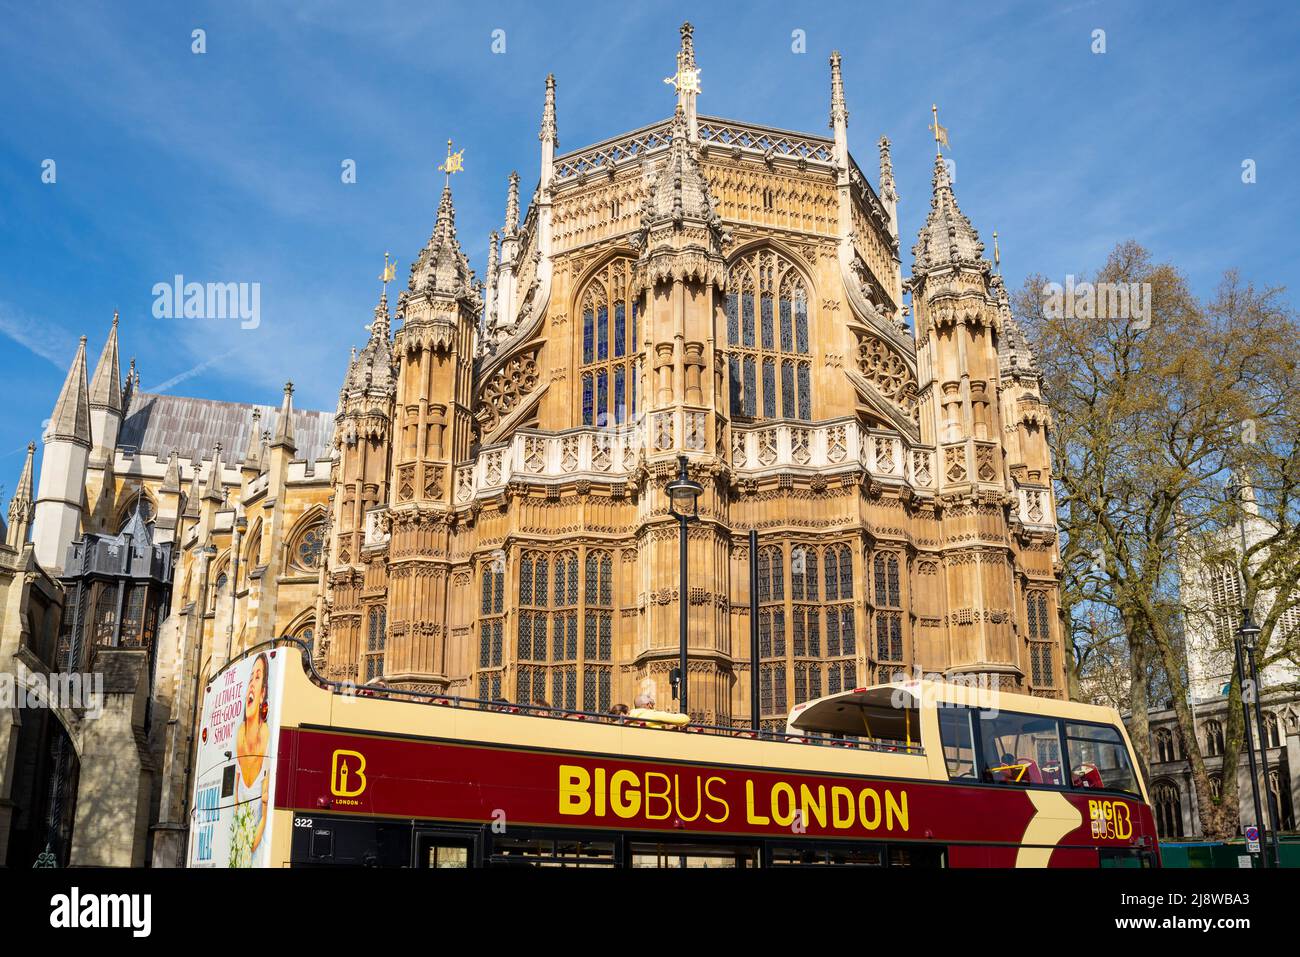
[619, 711]
[644, 710]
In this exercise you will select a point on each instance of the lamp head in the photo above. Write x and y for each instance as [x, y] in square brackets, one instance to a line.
[684, 494]
[1249, 631]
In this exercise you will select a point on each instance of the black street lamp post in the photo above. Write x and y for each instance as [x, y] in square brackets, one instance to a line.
[1249, 634]
[683, 505]
[1248, 631]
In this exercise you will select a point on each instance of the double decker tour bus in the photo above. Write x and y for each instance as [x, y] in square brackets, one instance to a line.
[294, 770]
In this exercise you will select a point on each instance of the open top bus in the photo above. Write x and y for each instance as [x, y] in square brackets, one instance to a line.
[296, 770]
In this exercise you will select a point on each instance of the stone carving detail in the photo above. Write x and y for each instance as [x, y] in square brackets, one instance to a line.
[921, 468]
[601, 449]
[433, 481]
[503, 392]
[534, 453]
[884, 456]
[837, 443]
[984, 466]
[464, 484]
[799, 450]
[739, 458]
[569, 453]
[885, 369]
[954, 463]
[695, 432]
[663, 431]
[766, 447]
[406, 482]
[492, 468]
[1035, 500]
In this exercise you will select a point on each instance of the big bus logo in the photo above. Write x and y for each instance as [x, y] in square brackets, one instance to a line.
[348, 774]
[1110, 819]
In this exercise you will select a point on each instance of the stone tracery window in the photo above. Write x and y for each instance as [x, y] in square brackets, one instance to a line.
[490, 628]
[307, 546]
[1213, 739]
[141, 501]
[806, 626]
[1041, 668]
[1166, 750]
[768, 369]
[611, 316]
[889, 608]
[1169, 810]
[552, 602]
[376, 642]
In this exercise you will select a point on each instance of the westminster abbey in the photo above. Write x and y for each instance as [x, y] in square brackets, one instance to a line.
[484, 514]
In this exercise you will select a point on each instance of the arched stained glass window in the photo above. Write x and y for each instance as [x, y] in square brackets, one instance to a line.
[769, 369]
[610, 320]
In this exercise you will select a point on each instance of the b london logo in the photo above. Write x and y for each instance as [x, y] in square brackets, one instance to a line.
[1101, 300]
[214, 300]
[77, 910]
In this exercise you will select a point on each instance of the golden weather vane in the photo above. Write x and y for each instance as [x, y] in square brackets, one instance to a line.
[389, 273]
[455, 162]
[685, 80]
[940, 132]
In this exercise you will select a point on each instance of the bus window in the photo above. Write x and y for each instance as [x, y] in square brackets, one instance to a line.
[1098, 758]
[958, 742]
[915, 855]
[1020, 750]
[544, 852]
[693, 856]
[849, 856]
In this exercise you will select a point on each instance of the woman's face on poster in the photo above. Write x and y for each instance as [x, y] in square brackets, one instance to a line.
[256, 689]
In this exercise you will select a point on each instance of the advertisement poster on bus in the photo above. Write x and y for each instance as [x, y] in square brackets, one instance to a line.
[234, 779]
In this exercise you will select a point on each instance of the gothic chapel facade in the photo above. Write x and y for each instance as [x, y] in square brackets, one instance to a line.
[730, 293]
[485, 512]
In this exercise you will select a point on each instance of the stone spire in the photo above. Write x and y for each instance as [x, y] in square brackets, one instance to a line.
[213, 491]
[194, 492]
[687, 81]
[547, 134]
[493, 276]
[681, 233]
[512, 207]
[106, 385]
[372, 367]
[253, 454]
[22, 506]
[172, 477]
[129, 386]
[442, 268]
[947, 238]
[284, 424]
[888, 191]
[839, 113]
[71, 418]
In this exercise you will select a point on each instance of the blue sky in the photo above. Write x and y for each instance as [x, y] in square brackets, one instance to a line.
[225, 166]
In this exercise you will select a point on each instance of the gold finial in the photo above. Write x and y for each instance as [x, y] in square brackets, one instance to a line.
[687, 77]
[455, 162]
[997, 257]
[940, 132]
[390, 271]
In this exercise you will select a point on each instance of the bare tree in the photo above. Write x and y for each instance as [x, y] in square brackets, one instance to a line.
[1149, 405]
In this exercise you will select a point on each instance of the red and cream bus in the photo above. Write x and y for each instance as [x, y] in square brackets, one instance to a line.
[294, 770]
